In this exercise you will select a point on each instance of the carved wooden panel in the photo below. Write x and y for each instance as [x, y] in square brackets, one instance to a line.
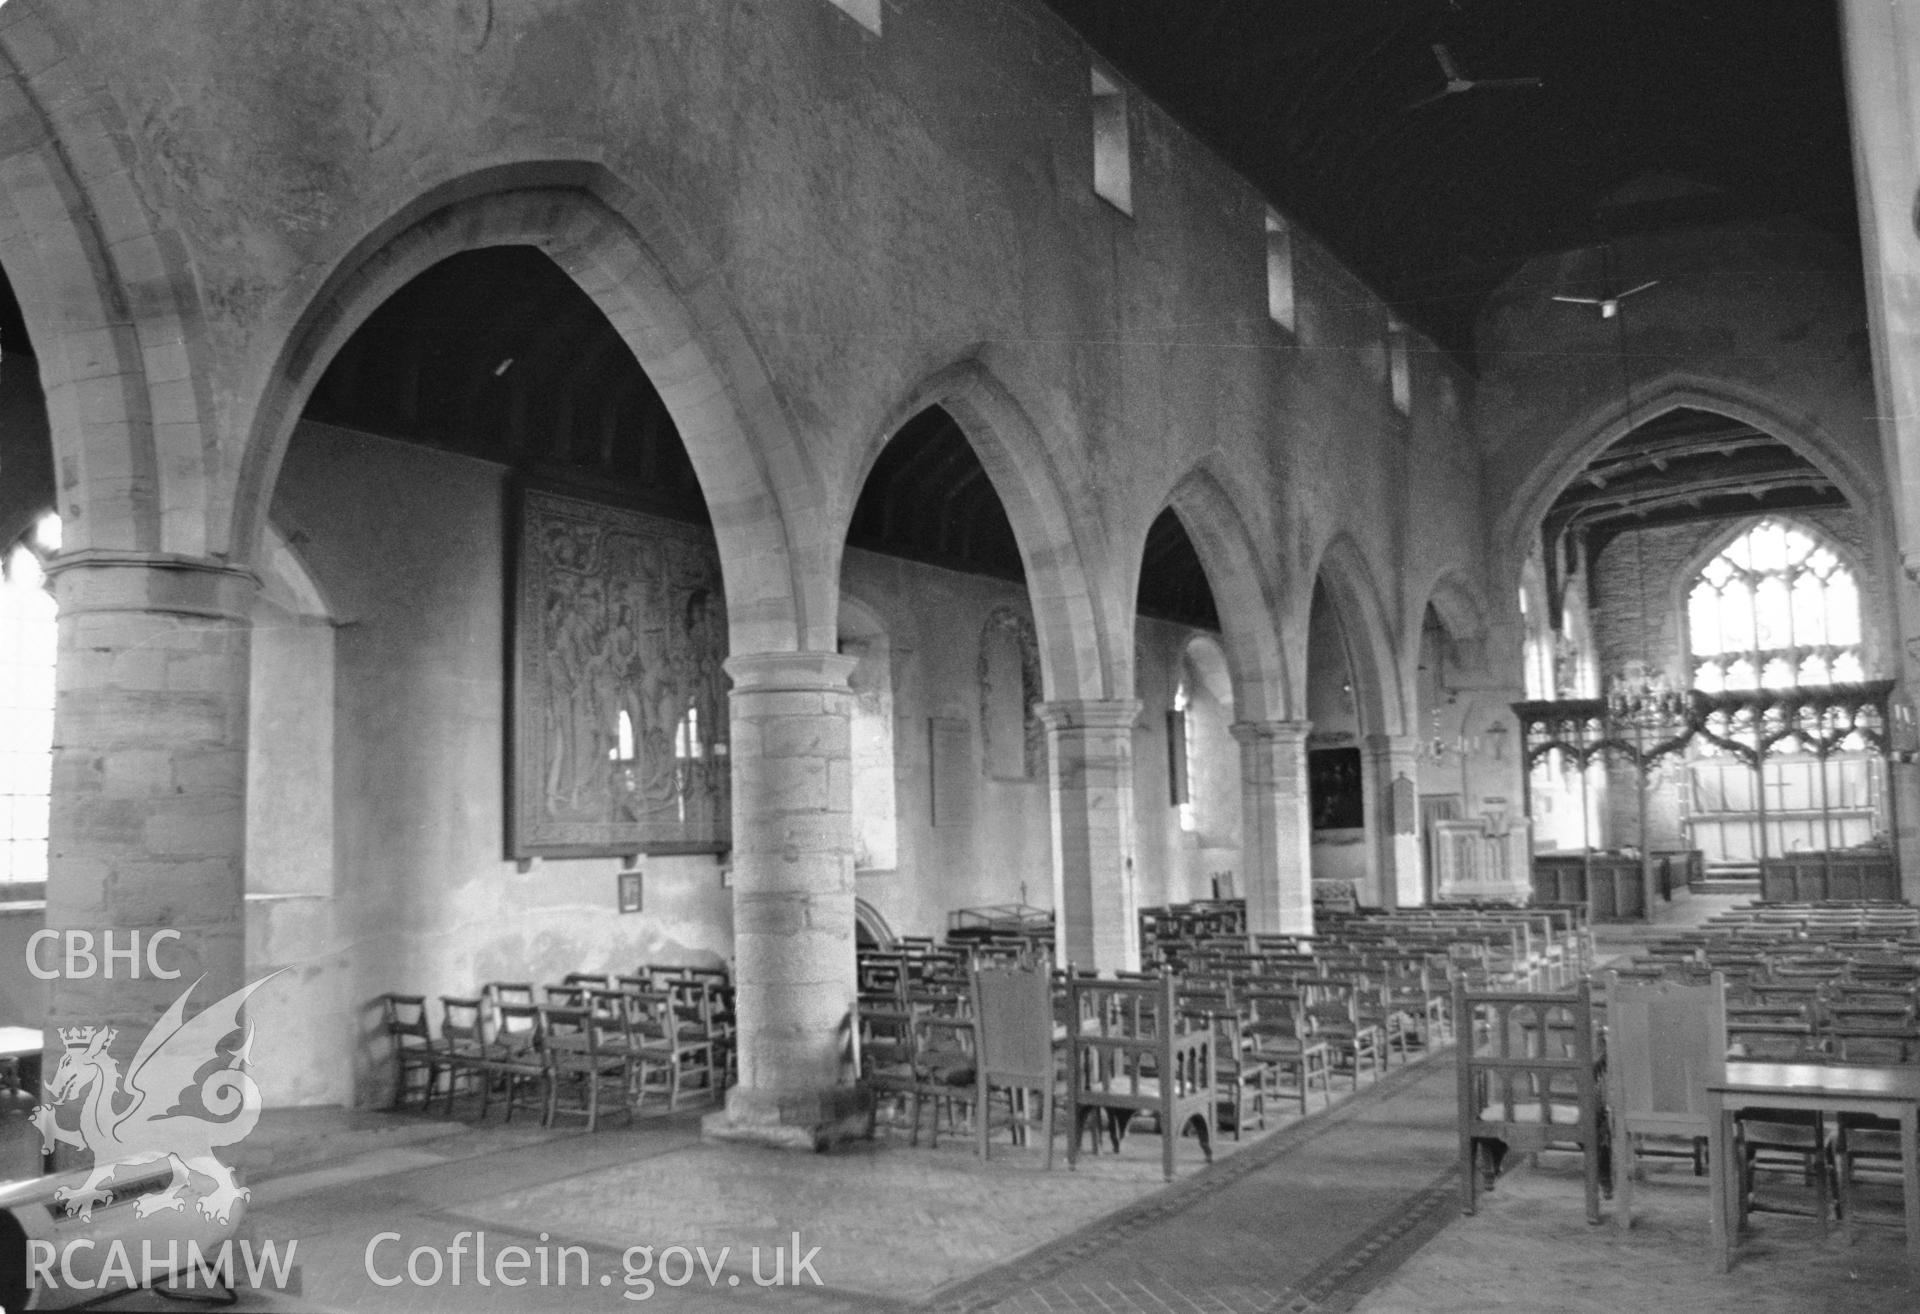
[619, 716]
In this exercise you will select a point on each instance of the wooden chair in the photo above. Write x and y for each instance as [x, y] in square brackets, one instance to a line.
[579, 1066]
[937, 1069]
[496, 993]
[463, 1046]
[1516, 1093]
[411, 1039]
[1279, 1035]
[1242, 1076]
[1139, 1055]
[1332, 1011]
[1665, 1041]
[519, 1052]
[665, 1058]
[695, 1012]
[1013, 1049]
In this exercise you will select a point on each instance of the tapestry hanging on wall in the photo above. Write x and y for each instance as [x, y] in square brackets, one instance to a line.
[619, 716]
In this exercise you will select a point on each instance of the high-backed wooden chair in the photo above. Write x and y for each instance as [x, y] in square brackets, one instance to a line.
[1528, 1081]
[1665, 1041]
[1013, 1049]
[1139, 1054]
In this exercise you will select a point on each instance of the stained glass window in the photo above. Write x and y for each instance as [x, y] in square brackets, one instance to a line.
[1775, 610]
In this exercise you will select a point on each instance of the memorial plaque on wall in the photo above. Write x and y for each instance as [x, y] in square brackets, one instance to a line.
[619, 715]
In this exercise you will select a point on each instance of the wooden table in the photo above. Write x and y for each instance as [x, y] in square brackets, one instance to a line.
[1890, 1092]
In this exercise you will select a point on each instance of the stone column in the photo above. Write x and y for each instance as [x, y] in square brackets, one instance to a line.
[1881, 41]
[1276, 825]
[1090, 768]
[148, 829]
[1393, 818]
[793, 892]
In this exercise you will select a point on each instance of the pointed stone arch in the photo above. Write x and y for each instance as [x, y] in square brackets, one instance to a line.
[1378, 690]
[1607, 423]
[1263, 687]
[625, 254]
[1082, 654]
[107, 300]
[1460, 609]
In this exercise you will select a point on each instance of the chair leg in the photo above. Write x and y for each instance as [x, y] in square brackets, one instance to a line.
[1627, 1167]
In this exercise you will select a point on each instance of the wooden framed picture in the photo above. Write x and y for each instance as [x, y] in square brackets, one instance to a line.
[618, 720]
[630, 892]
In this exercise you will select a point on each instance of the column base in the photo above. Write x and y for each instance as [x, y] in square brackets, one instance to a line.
[792, 1119]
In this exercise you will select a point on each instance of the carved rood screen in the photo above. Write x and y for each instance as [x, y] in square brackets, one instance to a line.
[1750, 724]
[620, 703]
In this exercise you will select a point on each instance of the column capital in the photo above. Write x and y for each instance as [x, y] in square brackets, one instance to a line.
[1382, 745]
[1090, 713]
[790, 672]
[103, 580]
[1285, 733]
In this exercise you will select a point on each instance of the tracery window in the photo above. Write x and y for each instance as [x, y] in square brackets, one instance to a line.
[1776, 609]
[28, 643]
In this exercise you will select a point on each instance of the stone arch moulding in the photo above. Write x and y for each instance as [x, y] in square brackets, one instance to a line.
[1593, 433]
[869, 919]
[133, 484]
[1379, 696]
[1082, 650]
[1249, 621]
[626, 255]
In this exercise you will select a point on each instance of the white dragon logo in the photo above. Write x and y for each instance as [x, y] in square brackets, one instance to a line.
[151, 1124]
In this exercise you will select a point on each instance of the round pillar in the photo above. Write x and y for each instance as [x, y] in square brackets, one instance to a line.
[793, 899]
[148, 825]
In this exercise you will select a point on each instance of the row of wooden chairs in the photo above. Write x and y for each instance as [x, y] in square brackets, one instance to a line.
[584, 1038]
[1091, 1055]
